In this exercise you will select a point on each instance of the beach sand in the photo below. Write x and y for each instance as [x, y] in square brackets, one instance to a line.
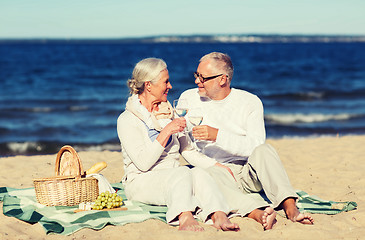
[332, 168]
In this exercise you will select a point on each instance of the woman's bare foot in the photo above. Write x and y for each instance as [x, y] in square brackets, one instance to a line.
[293, 214]
[188, 223]
[266, 217]
[221, 221]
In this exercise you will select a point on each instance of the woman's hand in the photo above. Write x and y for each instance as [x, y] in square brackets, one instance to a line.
[175, 126]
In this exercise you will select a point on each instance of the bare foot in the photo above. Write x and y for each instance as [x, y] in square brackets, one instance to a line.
[293, 214]
[188, 223]
[221, 221]
[266, 217]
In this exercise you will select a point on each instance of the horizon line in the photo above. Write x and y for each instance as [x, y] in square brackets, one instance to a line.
[199, 34]
[201, 38]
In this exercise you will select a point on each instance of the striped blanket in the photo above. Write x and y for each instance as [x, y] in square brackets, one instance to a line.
[22, 204]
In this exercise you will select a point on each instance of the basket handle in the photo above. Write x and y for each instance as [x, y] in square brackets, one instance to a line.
[75, 157]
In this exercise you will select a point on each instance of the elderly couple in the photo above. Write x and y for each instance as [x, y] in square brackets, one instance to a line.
[228, 150]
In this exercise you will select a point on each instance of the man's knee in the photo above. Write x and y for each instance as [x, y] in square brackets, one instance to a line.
[265, 147]
[264, 152]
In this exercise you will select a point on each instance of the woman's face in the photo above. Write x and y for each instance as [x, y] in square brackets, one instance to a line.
[160, 88]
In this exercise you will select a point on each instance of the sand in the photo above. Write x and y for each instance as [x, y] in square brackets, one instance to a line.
[332, 168]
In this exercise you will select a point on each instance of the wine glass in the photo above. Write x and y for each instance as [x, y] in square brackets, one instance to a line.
[195, 116]
[180, 108]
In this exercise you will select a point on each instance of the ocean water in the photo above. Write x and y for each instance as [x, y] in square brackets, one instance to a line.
[59, 93]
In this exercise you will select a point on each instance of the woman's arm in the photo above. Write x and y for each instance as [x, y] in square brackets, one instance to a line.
[143, 152]
[175, 126]
[132, 135]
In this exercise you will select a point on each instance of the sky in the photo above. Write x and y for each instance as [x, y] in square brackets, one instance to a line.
[142, 18]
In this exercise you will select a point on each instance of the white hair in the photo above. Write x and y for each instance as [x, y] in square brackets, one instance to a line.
[145, 70]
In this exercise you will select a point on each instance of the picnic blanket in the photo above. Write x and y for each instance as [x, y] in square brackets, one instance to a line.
[22, 204]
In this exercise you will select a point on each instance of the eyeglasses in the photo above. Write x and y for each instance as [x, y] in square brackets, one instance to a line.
[204, 79]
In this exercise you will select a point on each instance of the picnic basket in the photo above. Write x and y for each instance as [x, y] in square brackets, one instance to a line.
[70, 186]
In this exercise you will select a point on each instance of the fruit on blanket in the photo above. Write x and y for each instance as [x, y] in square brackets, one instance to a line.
[107, 200]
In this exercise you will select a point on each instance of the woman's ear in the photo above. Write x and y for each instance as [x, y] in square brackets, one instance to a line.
[147, 86]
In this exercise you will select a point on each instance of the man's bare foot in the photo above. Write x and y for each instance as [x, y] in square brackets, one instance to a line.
[266, 217]
[293, 214]
[221, 221]
[188, 223]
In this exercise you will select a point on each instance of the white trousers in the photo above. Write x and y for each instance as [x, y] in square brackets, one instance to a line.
[263, 171]
[181, 189]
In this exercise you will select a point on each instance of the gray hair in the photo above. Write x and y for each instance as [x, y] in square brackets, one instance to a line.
[220, 61]
[145, 70]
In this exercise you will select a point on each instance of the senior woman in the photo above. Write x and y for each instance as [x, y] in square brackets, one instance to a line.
[151, 143]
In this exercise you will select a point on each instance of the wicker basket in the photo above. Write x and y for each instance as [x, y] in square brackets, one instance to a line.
[69, 187]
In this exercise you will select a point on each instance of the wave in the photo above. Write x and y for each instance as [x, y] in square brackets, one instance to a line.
[28, 148]
[73, 108]
[288, 119]
[34, 148]
[316, 95]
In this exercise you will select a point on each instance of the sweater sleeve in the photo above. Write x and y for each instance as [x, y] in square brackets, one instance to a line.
[243, 145]
[193, 156]
[142, 151]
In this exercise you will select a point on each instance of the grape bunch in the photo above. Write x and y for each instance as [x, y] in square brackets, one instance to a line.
[107, 200]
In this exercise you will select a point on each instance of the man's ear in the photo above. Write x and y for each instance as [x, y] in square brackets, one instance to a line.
[223, 81]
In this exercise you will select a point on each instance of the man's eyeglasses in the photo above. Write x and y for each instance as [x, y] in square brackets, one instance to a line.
[204, 79]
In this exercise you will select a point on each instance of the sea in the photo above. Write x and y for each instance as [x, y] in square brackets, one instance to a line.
[54, 93]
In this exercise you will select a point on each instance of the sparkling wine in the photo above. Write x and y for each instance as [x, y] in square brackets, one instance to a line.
[195, 120]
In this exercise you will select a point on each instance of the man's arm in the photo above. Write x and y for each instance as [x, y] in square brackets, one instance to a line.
[240, 145]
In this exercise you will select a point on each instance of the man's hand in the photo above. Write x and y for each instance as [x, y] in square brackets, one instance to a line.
[205, 132]
[227, 168]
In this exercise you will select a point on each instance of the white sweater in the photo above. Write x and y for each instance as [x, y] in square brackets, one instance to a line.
[239, 118]
[141, 154]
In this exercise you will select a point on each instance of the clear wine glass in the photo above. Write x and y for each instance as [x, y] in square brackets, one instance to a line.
[180, 108]
[195, 116]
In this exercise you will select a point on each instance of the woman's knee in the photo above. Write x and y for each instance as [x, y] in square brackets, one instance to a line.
[180, 174]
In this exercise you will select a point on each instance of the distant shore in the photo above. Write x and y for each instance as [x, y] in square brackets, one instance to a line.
[329, 167]
[214, 38]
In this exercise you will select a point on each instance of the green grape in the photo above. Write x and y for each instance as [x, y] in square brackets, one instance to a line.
[107, 200]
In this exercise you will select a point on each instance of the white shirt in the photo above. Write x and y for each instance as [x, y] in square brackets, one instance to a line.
[141, 154]
[239, 118]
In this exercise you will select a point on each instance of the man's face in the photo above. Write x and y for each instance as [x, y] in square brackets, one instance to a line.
[211, 87]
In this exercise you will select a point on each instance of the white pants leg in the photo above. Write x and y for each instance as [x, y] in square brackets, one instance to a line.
[208, 194]
[240, 202]
[172, 187]
[264, 170]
